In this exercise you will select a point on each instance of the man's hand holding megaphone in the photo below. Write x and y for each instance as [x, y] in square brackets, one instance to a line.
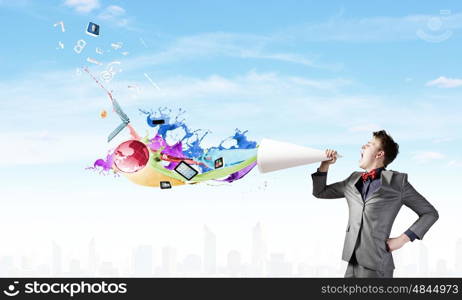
[332, 154]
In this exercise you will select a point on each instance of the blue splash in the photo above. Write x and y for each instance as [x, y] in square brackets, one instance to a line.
[235, 154]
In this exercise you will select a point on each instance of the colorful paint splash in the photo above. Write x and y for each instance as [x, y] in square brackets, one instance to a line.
[150, 160]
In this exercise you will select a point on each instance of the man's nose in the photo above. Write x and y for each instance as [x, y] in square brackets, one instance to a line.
[363, 147]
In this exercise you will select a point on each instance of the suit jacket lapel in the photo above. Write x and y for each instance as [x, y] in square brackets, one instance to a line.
[355, 179]
[385, 180]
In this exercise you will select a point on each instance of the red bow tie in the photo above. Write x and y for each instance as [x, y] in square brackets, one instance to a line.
[366, 175]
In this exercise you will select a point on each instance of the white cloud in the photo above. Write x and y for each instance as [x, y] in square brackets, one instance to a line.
[339, 28]
[286, 57]
[112, 11]
[368, 127]
[443, 140]
[210, 45]
[455, 163]
[251, 85]
[427, 156]
[43, 147]
[444, 82]
[321, 84]
[83, 6]
[115, 14]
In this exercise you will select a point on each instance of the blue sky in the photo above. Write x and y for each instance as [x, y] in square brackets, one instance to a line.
[308, 72]
[341, 69]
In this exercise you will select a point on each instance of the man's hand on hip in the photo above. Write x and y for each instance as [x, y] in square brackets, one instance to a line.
[397, 242]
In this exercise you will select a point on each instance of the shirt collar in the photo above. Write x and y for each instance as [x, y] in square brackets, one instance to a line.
[378, 171]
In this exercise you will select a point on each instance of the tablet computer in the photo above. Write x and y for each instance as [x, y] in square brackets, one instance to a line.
[219, 163]
[165, 185]
[93, 29]
[185, 170]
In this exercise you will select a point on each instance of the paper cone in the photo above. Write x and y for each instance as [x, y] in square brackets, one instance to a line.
[273, 155]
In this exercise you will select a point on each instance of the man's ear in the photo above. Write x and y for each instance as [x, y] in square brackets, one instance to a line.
[380, 154]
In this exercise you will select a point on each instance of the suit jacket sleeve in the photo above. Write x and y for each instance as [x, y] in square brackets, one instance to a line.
[331, 191]
[426, 212]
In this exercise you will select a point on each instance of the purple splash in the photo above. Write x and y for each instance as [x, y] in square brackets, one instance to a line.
[103, 165]
[239, 174]
[156, 143]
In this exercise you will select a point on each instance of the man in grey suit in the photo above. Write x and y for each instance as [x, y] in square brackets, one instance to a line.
[374, 199]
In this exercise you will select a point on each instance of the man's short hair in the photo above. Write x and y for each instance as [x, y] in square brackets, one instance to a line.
[388, 145]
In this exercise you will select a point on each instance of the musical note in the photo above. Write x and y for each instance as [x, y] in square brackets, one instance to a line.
[61, 45]
[99, 51]
[106, 76]
[94, 61]
[62, 25]
[125, 53]
[110, 67]
[109, 73]
[143, 42]
[117, 45]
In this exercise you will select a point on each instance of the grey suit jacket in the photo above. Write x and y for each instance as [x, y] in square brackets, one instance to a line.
[370, 221]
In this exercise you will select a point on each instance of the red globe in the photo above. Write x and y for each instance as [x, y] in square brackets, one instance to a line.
[131, 156]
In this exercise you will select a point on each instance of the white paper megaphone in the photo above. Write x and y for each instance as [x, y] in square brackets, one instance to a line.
[274, 155]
